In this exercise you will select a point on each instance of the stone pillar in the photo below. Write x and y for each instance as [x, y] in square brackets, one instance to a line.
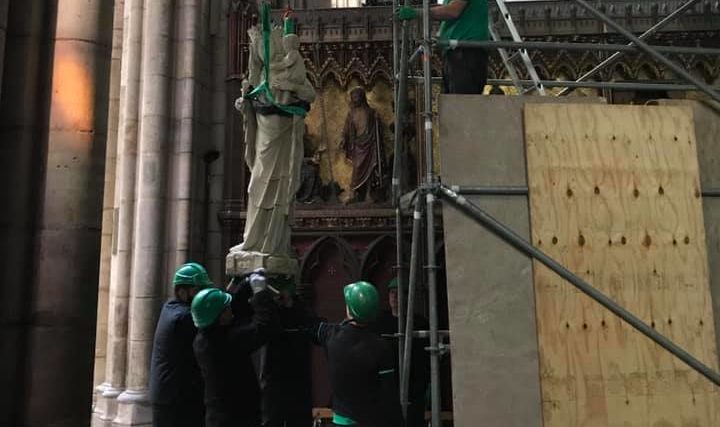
[3, 35]
[186, 114]
[67, 242]
[147, 278]
[121, 258]
[108, 222]
[25, 84]
[221, 102]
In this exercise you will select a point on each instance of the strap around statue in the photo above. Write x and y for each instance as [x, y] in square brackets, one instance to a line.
[264, 87]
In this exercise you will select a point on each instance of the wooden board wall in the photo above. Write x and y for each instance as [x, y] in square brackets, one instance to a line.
[615, 196]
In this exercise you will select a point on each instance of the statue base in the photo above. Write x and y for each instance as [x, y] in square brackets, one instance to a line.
[239, 262]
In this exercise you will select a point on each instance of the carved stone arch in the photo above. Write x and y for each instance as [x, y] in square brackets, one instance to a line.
[310, 261]
[647, 71]
[702, 68]
[328, 265]
[563, 67]
[542, 71]
[379, 75]
[331, 75]
[356, 74]
[377, 265]
[358, 69]
[564, 72]
[621, 71]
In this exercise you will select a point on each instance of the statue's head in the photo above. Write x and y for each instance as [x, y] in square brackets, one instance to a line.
[291, 42]
[277, 51]
[358, 97]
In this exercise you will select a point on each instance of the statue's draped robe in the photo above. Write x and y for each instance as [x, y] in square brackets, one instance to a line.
[363, 138]
[274, 154]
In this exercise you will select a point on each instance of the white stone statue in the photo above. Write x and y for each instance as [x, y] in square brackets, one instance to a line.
[274, 153]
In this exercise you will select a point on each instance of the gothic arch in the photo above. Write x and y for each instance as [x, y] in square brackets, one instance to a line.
[621, 71]
[378, 265]
[329, 264]
[312, 258]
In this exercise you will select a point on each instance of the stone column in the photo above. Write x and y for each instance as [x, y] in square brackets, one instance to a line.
[221, 102]
[25, 83]
[108, 200]
[147, 278]
[67, 242]
[121, 258]
[3, 35]
[185, 128]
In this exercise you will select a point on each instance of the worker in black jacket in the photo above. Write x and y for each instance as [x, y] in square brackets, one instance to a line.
[175, 380]
[284, 367]
[223, 348]
[360, 363]
[387, 326]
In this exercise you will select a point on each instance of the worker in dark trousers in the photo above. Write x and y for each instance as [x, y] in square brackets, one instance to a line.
[175, 380]
[361, 367]
[223, 348]
[465, 69]
[285, 377]
[387, 326]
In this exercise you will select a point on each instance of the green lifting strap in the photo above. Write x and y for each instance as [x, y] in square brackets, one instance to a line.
[264, 87]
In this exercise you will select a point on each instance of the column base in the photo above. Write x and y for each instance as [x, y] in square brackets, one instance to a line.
[133, 409]
[105, 408]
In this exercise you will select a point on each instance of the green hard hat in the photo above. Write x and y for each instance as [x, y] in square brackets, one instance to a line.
[192, 274]
[392, 284]
[207, 306]
[361, 299]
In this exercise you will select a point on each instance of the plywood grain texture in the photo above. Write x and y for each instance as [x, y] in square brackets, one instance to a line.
[495, 376]
[707, 132]
[615, 196]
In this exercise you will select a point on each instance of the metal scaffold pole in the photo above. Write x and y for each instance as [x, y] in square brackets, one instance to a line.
[652, 51]
[431, 186]
[615, 56]
[400, 71]
[412, 288]
[430, 180]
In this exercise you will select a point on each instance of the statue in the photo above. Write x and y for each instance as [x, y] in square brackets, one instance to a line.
[362, 141]
[311, 185]
[275, 97]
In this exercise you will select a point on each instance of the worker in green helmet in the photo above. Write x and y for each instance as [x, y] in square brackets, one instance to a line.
[361, 367]
[175, 380]
[387, 326]
[223, 348]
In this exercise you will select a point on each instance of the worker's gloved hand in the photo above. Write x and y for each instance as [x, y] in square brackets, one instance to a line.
[258, 282]
[406, 13]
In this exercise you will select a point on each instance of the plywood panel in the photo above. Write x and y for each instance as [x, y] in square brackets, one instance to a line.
[495, 376]
[615, 196]
[707, 131]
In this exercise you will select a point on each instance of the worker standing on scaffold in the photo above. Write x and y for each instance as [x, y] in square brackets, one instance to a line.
[464, 69]
[360, 364]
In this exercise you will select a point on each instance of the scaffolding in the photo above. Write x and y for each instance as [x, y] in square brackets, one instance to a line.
[430, 190]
